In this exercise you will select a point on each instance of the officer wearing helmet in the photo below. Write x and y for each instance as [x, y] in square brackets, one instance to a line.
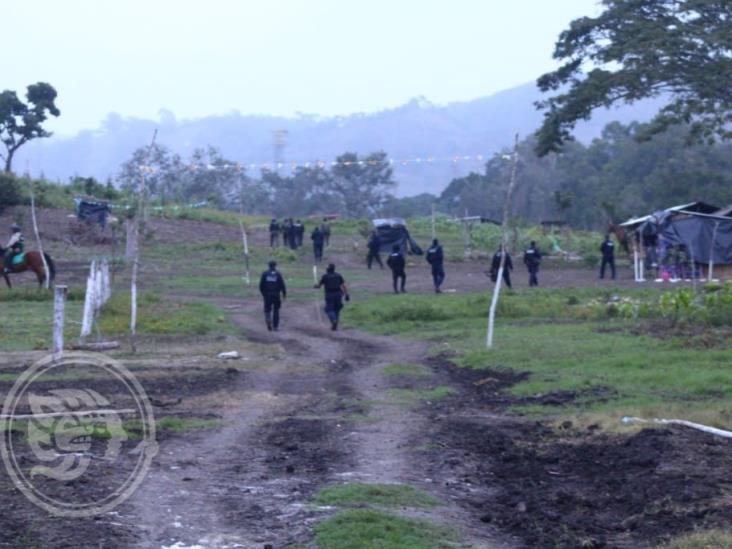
[14, 247]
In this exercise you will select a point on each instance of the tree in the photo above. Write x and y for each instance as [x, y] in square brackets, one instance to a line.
[21, 122]
[637, 49]
[163, 172]
[362, 185]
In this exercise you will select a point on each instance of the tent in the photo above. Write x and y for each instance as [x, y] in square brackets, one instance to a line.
[393, 231]
[91, 210]
[702, 233]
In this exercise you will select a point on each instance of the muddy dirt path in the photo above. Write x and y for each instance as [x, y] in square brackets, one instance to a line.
[321, 415]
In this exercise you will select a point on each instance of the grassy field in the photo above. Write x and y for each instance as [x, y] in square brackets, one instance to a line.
[571, 340]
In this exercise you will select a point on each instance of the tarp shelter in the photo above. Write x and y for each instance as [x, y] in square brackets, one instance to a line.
[698, 228]
[91, 210]
[394, 231]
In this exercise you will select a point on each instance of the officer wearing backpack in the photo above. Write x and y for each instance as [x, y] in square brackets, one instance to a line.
[436, 258]
[335, 290]
[532, 260]
[272, 286]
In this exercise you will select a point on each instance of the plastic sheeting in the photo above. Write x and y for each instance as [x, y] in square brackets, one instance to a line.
[92, 212]
[394, 231]
[696, 233]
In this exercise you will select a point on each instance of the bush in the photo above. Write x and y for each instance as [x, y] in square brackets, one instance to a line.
[10, 194]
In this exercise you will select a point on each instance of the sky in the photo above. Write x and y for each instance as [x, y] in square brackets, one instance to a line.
[279, 57]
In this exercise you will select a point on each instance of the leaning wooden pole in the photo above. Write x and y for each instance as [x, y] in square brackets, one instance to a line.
[244, 237]
[141, 214]
[46, 273]
[501, 266]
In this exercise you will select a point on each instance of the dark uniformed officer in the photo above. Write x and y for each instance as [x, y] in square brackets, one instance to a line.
[272, 286]
[608, 256]
[318, 239]
[507, 267]
[274, 233]
[374, 250]
[299, 233]
[286, 232]
[335, 291]
[436, 258]
[397, 264]
[325, 227]
[532, 260]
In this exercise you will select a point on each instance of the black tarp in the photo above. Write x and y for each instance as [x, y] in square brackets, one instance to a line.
[394, 231]
[92, 211]
[695, 232]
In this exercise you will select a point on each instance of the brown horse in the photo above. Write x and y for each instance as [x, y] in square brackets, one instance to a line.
[31, 262]
[621, 234]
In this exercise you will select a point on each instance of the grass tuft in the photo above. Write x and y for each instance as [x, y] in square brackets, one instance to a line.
[388, 495]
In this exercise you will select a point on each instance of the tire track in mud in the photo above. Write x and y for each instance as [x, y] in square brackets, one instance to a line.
[320, 416]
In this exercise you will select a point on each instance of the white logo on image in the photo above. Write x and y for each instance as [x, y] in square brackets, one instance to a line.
[66, 429]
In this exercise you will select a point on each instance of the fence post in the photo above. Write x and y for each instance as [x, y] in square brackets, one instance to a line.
[59, 302]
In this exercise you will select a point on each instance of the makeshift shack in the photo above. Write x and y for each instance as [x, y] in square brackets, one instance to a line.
[393, 231]
[681, 242]
[92, 211]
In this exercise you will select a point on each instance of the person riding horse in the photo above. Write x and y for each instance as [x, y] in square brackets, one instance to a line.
[14, 248]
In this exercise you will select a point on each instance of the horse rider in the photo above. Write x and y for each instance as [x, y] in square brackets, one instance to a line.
[272, 286]
[507, 266]
[607, 249]
[14, 247]
[397, 264]
[532, 260]
[436, 258]
[335, 291]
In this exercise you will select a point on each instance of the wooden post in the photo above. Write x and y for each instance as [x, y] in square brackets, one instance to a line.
[131, 241]
[89, 303]
[244, 238]
[140, 220]
[710, 269]
[46, 276]
[434, 222]
[499, 277]
[59, 302]
[466, 235]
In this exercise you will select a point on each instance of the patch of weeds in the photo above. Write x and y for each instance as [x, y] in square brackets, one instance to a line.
[181, 425]
[711, 539]
[410, 397]
[407, 370]
[387, 495]
[367, 528]
[160, 316]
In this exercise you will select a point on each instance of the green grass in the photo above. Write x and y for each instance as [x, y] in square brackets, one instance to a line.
[411, 397]
[364, 528]
[181, 425]
[27, 325]
[386, 495]
[560, 338]
[406, 370]
[711, 539]
[160, 316]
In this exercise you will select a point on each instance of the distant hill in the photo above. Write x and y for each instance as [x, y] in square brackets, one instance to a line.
[416, 129]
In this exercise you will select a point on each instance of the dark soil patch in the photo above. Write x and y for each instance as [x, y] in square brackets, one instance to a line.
[583, 489]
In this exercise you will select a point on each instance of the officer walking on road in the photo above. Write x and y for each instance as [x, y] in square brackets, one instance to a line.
[274, 233]
[397, 264]
[436, 258]
[374, 250]
[507, 267]
[335, 291]
[608, 256]
[272, 286]
[532, 260]
[318, 239]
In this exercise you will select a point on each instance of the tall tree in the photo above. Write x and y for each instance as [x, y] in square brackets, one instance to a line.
[644, 48]
[21, 122]
[362, 185]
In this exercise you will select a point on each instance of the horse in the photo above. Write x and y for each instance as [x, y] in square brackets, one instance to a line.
[621, 234]
[32, 261]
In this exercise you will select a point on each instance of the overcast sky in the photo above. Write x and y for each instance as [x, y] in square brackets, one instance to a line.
[326, 57]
